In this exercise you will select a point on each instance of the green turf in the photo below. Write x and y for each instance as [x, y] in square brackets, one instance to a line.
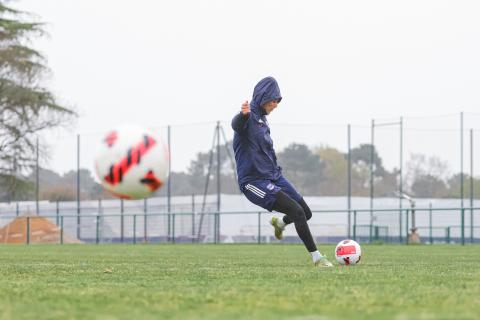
[236, 282]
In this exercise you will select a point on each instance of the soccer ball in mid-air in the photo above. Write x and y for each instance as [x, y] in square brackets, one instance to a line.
[348, 252]
[132, 162]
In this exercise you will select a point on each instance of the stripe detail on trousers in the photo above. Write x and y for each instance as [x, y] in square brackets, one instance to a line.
[255, 190]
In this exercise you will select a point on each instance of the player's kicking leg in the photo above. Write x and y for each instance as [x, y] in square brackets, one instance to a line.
[268, 196]
[293, 210]
[279, 226]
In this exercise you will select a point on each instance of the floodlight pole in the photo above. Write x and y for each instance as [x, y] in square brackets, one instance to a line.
[461, 159]
[462, 211]
[169, 183]
[217, 220]
[471, 185]
[349, 179]
[37, 180]
[400, 187]
[78, 186]
[371, 170]
[215, 145]
[207, 180]
[349, 175]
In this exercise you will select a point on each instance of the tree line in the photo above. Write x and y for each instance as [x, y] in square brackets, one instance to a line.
[323, 171]
[317, 171]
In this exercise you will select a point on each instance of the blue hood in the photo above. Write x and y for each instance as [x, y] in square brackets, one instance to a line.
[265, 91]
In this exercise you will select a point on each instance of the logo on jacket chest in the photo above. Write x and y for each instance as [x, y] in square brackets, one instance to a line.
[262, 122]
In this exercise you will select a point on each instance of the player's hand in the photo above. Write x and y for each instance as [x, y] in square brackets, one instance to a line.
[245, 108]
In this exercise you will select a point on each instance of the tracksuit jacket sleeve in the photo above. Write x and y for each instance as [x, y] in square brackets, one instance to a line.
[239, 122]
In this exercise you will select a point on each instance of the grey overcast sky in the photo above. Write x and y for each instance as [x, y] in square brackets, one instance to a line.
[177, 62]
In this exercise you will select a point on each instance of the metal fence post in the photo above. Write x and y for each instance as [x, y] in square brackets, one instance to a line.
[193, 226]
[370, 233]
[169, 226]
[215, 228]
[471, 226]
[134, 229]
[173, 227]
[406, 226]
[37, 180]
[97, 233]
[448, 235]
[57, 212]
[400, 213]
[145, 206]
[259, 230]
[463, 226]
[430, 222]
[17, 210]
[349, 218]
[218, 227]
[355, 225]
[28, 230]
[122, 209]
[61, 229]
[193, 218]
[370, 237]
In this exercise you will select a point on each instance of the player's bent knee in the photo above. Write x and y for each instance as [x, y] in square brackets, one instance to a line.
[298, 214]
[306, 209]
[308, 215]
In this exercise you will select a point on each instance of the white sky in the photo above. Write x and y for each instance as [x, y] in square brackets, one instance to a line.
[178, 62]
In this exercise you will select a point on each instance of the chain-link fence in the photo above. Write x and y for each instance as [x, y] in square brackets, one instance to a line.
[374, 166]
[428, 225]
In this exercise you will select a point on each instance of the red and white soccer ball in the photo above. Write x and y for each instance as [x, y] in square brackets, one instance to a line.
[132, 162]
[348, 252]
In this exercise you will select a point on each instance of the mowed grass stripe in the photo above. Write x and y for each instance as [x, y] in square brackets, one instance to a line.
[236, 281]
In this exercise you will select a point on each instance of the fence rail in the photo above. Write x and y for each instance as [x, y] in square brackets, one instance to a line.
[435, 225]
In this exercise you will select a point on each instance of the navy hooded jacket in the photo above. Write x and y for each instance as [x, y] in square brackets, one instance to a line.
[253, 147]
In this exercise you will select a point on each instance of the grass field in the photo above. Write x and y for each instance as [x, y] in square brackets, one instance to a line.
[236, 282]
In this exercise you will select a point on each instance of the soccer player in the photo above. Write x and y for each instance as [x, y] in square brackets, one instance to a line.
[259, 176]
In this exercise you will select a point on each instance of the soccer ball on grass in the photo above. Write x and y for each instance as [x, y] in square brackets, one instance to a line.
[348, 252]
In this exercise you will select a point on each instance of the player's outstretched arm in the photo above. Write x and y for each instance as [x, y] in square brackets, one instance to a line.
[239, 122]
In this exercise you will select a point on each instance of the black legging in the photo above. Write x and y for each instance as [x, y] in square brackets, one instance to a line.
[306, 209]
[298, 213]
